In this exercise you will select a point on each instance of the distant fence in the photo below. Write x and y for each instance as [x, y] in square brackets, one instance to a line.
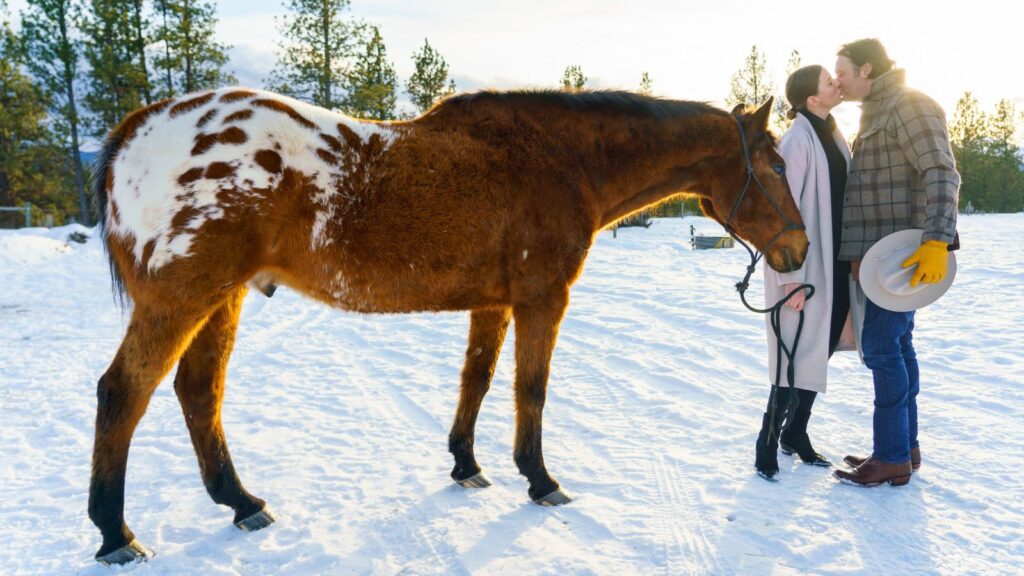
[16, 216]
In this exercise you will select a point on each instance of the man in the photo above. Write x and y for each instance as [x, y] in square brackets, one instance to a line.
[902, 176]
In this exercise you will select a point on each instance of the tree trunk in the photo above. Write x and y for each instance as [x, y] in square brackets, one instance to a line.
[326, 80]
[76, 156]
[140, 48]
[187, 48]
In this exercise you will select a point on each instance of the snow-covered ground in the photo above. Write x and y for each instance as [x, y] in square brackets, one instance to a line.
[340, 422]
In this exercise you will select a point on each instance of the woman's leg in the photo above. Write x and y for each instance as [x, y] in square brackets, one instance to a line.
[766, 451]
[795, 439]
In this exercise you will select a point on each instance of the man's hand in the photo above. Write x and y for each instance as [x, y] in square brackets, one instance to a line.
[798, 299]
[932, 260]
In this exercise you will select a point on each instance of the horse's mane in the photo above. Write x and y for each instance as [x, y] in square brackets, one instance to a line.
[619, 101]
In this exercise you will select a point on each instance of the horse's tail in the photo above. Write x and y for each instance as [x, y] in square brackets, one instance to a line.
[102, 166]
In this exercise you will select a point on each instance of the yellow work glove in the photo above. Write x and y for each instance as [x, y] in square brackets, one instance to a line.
[931, 259]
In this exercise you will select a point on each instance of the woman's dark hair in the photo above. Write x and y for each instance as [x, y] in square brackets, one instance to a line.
[800, 86]
[868, 51]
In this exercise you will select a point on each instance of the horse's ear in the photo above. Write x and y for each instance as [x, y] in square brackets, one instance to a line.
[739, 109]
[759, 119]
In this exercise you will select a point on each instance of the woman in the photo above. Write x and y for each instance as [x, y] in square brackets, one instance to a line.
[816, 156]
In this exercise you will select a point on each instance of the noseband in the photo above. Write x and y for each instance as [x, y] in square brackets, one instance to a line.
[774, 312]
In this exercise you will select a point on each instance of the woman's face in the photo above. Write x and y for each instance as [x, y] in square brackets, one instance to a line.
[829, 96]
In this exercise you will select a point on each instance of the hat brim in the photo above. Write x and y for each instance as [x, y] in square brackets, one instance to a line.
[885, 259]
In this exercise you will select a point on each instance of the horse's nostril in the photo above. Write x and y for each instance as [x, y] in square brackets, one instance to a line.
[789, 260]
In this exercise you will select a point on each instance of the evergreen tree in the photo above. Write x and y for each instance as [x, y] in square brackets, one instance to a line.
[28, 152]
[371, 83]
[317, 42]
[140, 39]
[117, 82]
[573, 79]
[52, 57]
[781, 122]
[1004, 180]
[751, 84]
[429, 82]
[190, 58]
[969, 126]
[645, 84]
[987, 155]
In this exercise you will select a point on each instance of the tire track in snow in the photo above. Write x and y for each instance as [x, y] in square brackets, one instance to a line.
[684, 530]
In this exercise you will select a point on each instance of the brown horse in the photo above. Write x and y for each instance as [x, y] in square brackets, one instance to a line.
[488, 203]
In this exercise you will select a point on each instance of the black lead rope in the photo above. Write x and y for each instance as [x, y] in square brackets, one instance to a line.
[775, 317]
[775, 311]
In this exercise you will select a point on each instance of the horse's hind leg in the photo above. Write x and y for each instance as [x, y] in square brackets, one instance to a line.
[199, 385]
[486, 334]
[536, 331]
[154, 341]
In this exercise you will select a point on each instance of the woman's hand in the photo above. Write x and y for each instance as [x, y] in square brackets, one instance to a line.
[798, 299]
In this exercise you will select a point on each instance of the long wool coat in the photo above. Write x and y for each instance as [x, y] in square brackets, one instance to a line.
[808, 176]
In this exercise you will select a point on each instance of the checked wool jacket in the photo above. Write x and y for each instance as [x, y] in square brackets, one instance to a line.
[902, 174]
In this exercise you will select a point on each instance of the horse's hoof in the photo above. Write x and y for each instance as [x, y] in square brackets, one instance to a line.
[259, 520]
[131, 552]
[556, 498]
[478, 480]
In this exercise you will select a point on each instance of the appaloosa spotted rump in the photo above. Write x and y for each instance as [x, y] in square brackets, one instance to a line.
[489, 202]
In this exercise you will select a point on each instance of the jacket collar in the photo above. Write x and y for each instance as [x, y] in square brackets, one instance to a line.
[887, 84]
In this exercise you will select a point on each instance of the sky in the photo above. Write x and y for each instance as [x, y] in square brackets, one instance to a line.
[690, 48]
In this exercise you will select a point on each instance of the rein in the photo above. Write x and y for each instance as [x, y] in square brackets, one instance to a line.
[775, 311]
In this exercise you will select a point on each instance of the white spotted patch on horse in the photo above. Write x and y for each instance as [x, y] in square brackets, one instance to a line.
[179, 172]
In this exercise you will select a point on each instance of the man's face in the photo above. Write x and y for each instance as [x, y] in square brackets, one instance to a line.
[853, 80]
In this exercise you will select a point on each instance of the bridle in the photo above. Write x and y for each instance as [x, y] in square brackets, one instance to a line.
[752, 177]
[774, 312]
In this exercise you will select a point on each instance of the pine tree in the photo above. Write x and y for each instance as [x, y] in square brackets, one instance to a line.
[645, 84]
[190, 58]
[429, 82]
[317, 43]
[139, 41]
[751, 84]
[781, 122]
[987, 156]
[117, 81]
[1004, 179]
[573, 79]
[52, 57]
[969, 126]
[371, 83]
[28, 152]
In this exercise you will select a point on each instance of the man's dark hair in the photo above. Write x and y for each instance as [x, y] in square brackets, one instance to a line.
[868, 51]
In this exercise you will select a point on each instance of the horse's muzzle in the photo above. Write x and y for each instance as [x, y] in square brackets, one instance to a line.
[789, 256]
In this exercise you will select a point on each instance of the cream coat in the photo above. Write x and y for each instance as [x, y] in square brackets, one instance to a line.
[808, 176]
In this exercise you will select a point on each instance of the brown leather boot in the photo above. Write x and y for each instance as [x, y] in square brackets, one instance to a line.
[915, 459]
[873, 472]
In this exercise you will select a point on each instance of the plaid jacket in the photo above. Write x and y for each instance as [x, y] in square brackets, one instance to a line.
[902, 174]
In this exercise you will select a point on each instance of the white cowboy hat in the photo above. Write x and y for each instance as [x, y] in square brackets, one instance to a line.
[887, 283]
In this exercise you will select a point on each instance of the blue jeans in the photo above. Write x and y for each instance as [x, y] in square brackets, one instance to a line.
[889, 353]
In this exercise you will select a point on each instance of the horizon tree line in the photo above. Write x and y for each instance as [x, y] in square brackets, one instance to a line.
[75, 68]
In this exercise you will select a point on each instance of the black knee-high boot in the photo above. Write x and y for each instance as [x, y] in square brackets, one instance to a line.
[766, 458]
[795, 439]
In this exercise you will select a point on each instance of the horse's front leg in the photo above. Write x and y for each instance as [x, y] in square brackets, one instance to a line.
[536, 331]
[487, 330]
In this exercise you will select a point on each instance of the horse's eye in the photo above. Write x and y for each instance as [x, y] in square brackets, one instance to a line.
[779, 169]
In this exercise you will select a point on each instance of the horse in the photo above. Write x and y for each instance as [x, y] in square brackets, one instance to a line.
[488, 202]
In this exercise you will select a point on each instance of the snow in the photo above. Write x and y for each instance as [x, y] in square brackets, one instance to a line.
[340, 422]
